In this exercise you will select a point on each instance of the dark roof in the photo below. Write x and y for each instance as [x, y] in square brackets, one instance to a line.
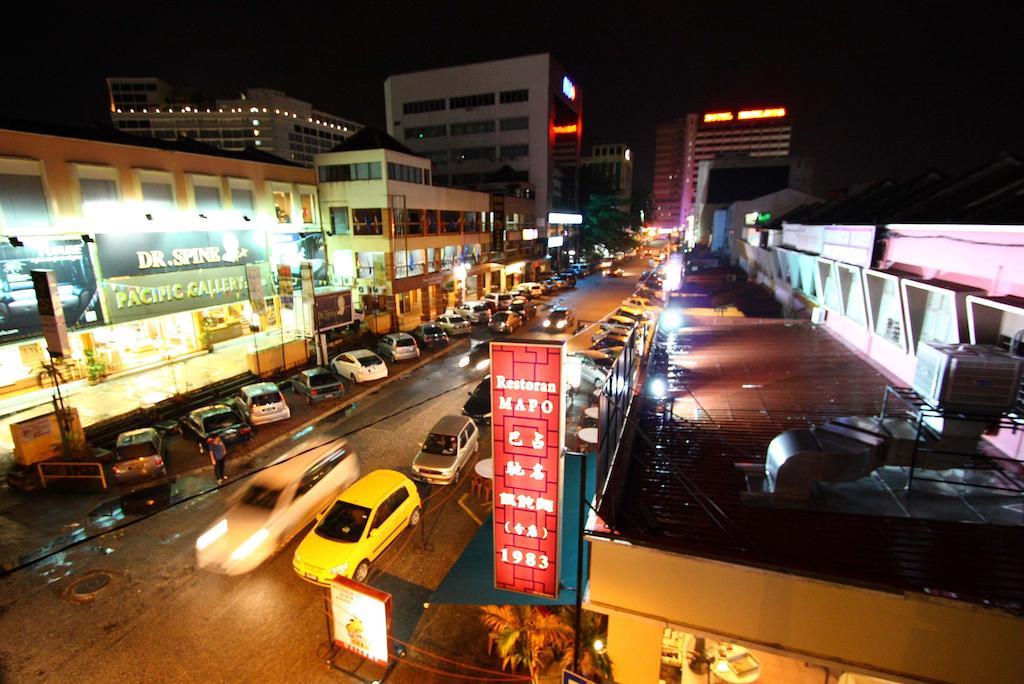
[372, 138]
[109, 134]
[991, 194]
[682, 492]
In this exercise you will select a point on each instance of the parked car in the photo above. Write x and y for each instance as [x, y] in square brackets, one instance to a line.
[262, 402]
[636, 301]
[359, 365]
[505, 321]
[454, 324]
[595, 366]
[478, 406]
[557, 283]
[452, 442]
[275, 505]
[139, 456]
[202, 424]
[398, 347]
[364, 521]
[430, 336]
[615, 273]
[623, 321]
[475, 312]
[525, 308]
[559, 319]
[477, 358]
[317, 384]
[604, 327]
[491, 305]
[500, 299]
[547, 287]
[606, 340]
[534, 289]
[632, 312]
[569, 277]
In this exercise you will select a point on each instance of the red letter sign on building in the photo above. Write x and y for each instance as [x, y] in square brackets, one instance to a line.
[528, 424]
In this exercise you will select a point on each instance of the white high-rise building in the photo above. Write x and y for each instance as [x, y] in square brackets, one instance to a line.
[473, 120]
[260, 117]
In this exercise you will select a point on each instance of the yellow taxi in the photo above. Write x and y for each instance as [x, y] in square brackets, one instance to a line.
[358, 527]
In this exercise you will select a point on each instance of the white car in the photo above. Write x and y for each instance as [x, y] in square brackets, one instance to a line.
[454, 324]
[262, 402]
[361, 365]
[276, 504]
[474, 312]
[595, 366]
[642, 303]
[535, 289]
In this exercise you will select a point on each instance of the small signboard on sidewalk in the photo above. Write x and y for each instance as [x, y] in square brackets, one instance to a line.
[51, 313]
[360, 619]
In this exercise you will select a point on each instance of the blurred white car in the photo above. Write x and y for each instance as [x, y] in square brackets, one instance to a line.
[361, 365]
[275, 505]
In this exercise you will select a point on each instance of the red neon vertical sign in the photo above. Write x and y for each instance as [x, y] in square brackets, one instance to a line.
[527, 431]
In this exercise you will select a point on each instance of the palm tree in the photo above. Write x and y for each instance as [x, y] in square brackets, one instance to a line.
[594, 664]
[526, 634]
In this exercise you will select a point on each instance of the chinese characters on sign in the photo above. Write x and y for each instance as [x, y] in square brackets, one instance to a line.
[527, 431]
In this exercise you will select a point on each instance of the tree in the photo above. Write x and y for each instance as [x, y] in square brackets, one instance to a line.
[641, 200]
[525, 635]
[605, 226]
[594, 664]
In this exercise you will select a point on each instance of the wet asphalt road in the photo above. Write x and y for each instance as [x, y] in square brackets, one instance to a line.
[160, 619]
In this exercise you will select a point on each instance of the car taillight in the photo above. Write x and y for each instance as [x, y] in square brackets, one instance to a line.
[159, 461]
[117, 471]
[246, 430]
[313, 392]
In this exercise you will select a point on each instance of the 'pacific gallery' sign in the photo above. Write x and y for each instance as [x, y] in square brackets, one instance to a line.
[135, 254]
[527, 431]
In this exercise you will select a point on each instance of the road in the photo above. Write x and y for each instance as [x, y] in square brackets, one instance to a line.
[160, 619]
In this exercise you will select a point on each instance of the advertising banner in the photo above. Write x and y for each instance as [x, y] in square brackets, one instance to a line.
[333, 309]
[142, 254]
[285, 286]
[76, 285]
[360, 619]
[527, 431]
[129, 299]
[254, 283]
[51, 314]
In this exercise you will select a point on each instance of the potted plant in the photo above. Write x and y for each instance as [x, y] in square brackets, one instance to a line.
[95, 368]
[203, 336]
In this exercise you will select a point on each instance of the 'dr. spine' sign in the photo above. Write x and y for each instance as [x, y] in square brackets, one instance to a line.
[527, 431]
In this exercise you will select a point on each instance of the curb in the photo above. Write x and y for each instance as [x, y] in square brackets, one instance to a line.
[344, 405]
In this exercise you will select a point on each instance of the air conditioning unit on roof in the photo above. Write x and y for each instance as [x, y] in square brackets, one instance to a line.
[971, 378]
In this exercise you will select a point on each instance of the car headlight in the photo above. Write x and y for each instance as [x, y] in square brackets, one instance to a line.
[340, 569]
[481, 364]
[463, 362]
[560, 324]
[250, 544]
[547, 324]
[211, 535]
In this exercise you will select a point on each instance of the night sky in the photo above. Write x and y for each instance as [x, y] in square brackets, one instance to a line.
[876, 90]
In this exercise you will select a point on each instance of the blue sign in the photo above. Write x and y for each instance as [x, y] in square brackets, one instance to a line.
[568, 88]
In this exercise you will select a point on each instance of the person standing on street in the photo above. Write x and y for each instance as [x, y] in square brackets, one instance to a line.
[218, 453]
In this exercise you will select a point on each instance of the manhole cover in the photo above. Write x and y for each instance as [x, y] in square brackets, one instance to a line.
[86, 588]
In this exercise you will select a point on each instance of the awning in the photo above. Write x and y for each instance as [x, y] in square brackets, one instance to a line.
[471, 579]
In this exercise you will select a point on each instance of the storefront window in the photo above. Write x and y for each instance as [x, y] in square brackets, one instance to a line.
[433, 259]
[308, 207]
[448, 256]
[367, 222]
[366, 263]
[410, 263]
[283, 206]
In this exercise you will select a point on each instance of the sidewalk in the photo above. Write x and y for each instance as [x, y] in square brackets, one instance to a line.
[125, 393]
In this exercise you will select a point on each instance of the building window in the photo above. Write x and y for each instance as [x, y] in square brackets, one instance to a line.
[470, 127]
[450, 221]
[339, 221]
[508, 96]
[518, 123]
[423, 106]
[473, 153]
[23, 201]
[97, 190]
[367, 222]
[342, 173]
[430, 221]
[207, 198]
[241, 200]
[283, 206]
[408, 222]
[157, 193]
[514, 151]
[308, 205]
[426, 132]
[468, 101]
[437, 156]
[471, 221]
[405, 173]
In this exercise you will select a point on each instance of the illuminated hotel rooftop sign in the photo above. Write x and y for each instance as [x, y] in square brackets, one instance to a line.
[746, 114]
